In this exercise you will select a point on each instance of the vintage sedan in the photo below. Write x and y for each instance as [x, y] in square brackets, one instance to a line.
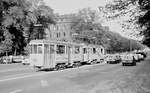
[112, 59]
[128, 59]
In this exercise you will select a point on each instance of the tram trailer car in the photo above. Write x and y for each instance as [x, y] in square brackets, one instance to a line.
[56, 54]
[93, 55]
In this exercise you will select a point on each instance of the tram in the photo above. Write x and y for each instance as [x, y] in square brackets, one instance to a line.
[46, 54]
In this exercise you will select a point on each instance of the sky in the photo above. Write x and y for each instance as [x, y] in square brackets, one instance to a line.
[73, 6]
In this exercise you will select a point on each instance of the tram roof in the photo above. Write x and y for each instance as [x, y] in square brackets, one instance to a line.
[63, 42]
[53, 41]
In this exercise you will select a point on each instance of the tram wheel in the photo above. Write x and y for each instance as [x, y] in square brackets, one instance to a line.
[37, 69]
[75, 65]
[57, 67]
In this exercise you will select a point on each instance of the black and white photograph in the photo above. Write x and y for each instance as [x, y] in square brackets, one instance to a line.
[74, 46]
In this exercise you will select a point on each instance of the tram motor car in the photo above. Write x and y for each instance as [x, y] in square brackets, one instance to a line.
[56, 55]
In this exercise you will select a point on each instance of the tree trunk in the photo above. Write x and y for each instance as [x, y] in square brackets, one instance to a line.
[15, 53]
[6, 53]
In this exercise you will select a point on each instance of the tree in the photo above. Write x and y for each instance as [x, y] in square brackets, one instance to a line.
[144, 20]
[138, 13]
[86, 19]
[6, 45]
[45, 16]
[18, 18]
[89, 30]
[86, 24]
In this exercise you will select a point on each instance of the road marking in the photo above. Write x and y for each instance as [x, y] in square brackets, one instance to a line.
[44, 83]
[16, 91]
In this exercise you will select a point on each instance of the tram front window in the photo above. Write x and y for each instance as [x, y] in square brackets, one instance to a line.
[34, 49]
[60, 49]
[40, 49]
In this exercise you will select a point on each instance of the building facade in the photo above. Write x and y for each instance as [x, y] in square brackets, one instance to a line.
[61, 31]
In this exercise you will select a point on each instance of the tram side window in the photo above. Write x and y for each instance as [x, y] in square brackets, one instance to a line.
[52, 49]
[46, 48]
[77, 49]
[40, 49]
[84, 50]
[60, 49]
[67, 49]
[34, 50]
[94, 50]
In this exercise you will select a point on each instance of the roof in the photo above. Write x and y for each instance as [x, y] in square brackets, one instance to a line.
[63, 42]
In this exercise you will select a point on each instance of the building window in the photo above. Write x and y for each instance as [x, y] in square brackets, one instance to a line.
[64, 34]
[54, 27]
[65, 27]
[57, 27]
[94, 50]
[57, 35]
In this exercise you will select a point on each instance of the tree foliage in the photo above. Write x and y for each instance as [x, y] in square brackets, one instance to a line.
[18, 18]
[138, 12]
[91, 31]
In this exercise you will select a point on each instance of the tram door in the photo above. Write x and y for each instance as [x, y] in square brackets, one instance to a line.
[85, 54]
[49, 56]
[46, 56]
[52, 56]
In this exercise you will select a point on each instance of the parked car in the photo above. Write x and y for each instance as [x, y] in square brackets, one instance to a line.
[128, 59]
[1, 60]
[141, 57]
[111, 59]
[17, 59]
[26, 61]
[136, 57]
[118, 58]
[142, 53]
[6, 60]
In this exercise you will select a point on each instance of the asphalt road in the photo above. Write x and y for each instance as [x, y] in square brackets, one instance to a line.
[99, 78]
